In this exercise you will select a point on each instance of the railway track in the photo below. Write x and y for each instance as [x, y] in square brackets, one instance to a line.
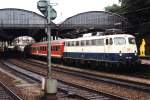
[141, 72]
[75, 90]
[7, 94]
[134, 83]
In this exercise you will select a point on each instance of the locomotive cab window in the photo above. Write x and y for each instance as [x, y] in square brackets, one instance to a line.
[119, 41]
[131, 40]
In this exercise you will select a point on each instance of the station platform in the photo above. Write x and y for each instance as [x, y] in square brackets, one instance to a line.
[145, 60]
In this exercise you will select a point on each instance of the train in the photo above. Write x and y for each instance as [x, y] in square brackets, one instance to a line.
[20, 42]
[116, 49]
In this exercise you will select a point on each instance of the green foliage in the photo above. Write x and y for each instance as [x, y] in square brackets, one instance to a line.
[137, 12]
[131, 5]
[114, 8]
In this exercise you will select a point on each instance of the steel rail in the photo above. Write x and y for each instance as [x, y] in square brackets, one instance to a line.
[69, 88]
[127, 83]
[13, 95]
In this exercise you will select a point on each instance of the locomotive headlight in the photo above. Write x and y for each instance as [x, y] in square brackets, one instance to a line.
[120, 53]
[135, 53]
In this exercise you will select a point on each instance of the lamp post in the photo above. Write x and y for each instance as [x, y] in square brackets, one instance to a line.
[46, 9]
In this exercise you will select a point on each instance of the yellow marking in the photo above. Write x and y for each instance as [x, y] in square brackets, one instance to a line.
[142, 48]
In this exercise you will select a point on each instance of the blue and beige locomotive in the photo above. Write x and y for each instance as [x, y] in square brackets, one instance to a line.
[107, 49]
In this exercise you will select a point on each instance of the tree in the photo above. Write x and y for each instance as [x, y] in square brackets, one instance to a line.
[114, 8]
[136, 11]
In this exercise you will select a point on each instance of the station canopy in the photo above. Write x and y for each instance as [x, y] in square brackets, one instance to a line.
[18, 22]
[82, 23]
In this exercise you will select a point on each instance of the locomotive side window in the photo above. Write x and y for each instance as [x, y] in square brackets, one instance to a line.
[131, 40]
[82, 43]
[119, 41]
[100, 42]
[77, 43]
[68, 43]
[71, 43]
[93, 42]
[87, 42]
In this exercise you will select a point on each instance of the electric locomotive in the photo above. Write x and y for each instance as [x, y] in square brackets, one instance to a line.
[109, 49]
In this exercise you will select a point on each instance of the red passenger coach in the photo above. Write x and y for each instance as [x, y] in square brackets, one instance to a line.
[40, 49]
[57, 48]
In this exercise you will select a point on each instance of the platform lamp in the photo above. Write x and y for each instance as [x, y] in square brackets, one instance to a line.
[47, 10]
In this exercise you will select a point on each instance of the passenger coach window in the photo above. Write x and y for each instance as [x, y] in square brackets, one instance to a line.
[119, 41]
[131, 40]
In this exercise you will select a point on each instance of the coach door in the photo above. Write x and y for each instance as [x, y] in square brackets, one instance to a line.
[108, 47]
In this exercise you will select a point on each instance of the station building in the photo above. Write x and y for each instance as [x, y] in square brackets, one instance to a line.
[18, 22]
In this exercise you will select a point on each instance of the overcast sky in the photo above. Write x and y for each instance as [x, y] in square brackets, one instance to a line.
[64, 8]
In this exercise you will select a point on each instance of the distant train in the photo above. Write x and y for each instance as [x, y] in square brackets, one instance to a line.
[20, 42]
[107, 49]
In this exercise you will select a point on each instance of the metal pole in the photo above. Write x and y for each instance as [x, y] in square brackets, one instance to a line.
[49, 41]
[50, 86]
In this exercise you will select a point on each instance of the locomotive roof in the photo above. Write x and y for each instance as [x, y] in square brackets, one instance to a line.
[102, 36]
[83, 38]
